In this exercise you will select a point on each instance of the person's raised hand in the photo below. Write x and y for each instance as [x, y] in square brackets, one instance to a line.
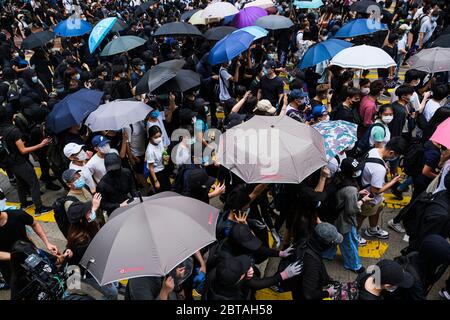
[218, 190]
[292, 270]
[96, 200]
[46, 142]
[241, 217]
[287, 252]
[169, 284]
[325, 172]
[124, 204]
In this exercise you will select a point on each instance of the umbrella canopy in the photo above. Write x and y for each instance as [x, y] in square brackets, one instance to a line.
[215, 34]
[363, 57]
[431, 60]
[219, 10]
[272, 149]
[150, 239]
[188, 14]
[274, 22]
[122, 44]
[314, 4]
[230, 46]
[72, 27]
[99, 32]
[257, 32]
[323, 51]
[197, 18]
[158, 75]
[260, 3]
[178, 29]
[338, 135]
[73, 109]
[118, 26]
[365, 6]
[443, 41]
[37, 39]
[359, 27]
[183, 81]
[247, 16]
[442, 134]
[140, 10]
[117, 114]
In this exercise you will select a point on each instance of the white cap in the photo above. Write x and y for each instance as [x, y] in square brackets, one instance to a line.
[265, 106]
[71, 149]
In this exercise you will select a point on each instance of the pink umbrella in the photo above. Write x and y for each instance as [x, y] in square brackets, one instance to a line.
[247, 17]
[442, 134]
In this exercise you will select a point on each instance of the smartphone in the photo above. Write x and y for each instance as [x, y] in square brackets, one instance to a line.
[371, 195]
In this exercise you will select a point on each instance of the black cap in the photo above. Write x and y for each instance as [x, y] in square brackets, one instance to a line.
[234, 119]
[349, 166]
[237, 198]
[199, 179]
[242, 235]
[392, 273]
[78, 210]
[137, 62]
[186, 116]
[112, 162]
[229, 271]
[200, 103]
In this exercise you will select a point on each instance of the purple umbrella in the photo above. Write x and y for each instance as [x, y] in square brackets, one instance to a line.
[247, 17]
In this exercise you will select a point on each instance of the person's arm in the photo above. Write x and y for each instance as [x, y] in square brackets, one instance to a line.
[201, 261]
[124, 148]
[235, 78]
[151, 169]
[26, 150]
[386, 186]
[324, 174]
[426, 98]
[267, 252]
[5, 256]
[41, 234]
[428, 172]
[285, 103]
[240, 103]
[421, 35]
[257, 191]
[166, 289]
[171, 109]
[249, 58]
[258, 284]
[259, 95]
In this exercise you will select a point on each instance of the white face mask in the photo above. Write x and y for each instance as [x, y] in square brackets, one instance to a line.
[105, 149]
[2, 204]
[357, 174]
[157, 140]
[392, 289]
[387, 119]
[82, 155]
[365, 91]
[327, 118]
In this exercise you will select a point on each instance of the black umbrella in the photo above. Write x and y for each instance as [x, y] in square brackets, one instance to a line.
[443, 41]
[37, 39]
[178, 29]
[365, 6]
[158, 75]
[218, 33]
[140, 10]
[188, 14]
[183, 81]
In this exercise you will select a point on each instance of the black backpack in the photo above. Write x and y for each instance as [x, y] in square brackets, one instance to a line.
[366, 159]
[56, 158]
[415, 29]
[61, 215]
[363, 146]
[412, 161]
[4, 151]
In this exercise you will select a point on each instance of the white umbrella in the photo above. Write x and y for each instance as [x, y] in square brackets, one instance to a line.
[117, 114]
[260, 3]
[219, 10]
[431, 60]
[197, 18]
[363, 57]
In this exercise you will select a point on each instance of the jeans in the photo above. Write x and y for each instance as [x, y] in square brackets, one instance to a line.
[349, 251]
[400, 59]
[109, 290]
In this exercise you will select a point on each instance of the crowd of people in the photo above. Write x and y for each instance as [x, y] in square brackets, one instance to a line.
[103, 171]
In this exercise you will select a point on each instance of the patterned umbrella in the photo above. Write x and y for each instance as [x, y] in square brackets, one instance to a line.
[337, 135]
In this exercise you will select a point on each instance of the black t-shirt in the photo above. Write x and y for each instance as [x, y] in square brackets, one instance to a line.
[271, 89]
[11, 135]
[14, 229]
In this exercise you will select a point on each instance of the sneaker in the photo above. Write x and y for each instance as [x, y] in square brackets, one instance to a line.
[359, 271]
[397, 193]
[40, 211]
[379, 233]
[26, 205]
[444, 294]
[4, 286]
[13, 182]
[397, 227]
[51, 186]
[361, 241]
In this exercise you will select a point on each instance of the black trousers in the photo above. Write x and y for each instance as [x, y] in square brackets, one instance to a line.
[164, 181]
[27, 181]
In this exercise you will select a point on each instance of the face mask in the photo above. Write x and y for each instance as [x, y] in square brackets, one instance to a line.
[105, 149]
[206, 109]
[79, 183]
[60, 90]
[122, 75]
[265, 71]
[194, 120]
[82, 156]
[387, 119]
[392, 159]
[327, 118]
[104, 74]
[392, 289]
[2, 204]
[126, 66]
[365, 91]
[157, 140]
[77, 76]
[16, 55]
[34, 79]
[357, 174]
[411, 99]
[154, 114]
[142, 68]
[434, 19]
[92, 216]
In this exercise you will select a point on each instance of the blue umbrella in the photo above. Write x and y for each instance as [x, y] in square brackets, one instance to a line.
[99, 32]
[230, 46]
[323, 51]
[258, 32]
[72, 27]
[359, 27]
[314, 4]
[73, 109]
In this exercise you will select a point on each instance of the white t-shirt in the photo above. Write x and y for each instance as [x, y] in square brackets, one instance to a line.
[86, 174]
[224, 84]
[402, 43]
[137, 138]
[153, 154]
[430, 109]
[96, 166]
[444, 172]
[427, 28]
[373, 175]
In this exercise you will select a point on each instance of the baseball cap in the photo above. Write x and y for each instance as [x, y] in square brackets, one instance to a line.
[350, 166]
[137, 62]
[186, 116]
[265, 106]
[297, 94]
[392, 273]
[199, 179]
[71, 149]
[68, 175]
[200, 103]
[328, 233]
[112, 162]
[99, 141]
[377, 133]
[270, 64]
[404, 27]
[243, 236]
[229, 271]
[319, 111]
[234, 119]
[78, 210]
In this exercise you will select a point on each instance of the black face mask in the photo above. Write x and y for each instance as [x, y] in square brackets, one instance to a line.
[115, 173]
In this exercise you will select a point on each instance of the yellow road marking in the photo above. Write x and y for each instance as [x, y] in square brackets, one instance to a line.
[46, 217]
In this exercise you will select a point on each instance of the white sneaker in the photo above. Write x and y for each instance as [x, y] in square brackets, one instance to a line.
[378, 233]
[397, 227]
[444, 294]
[361, 241]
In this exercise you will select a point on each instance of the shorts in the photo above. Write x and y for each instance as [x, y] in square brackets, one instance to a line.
[369, 210]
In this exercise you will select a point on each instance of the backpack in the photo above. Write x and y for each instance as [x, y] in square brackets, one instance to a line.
[56, 159]
[415, 29]
[363, 161]
[61, 215]
[4, 151]
[14, 88]
[412, 161]
[363, 146]
[214, 254]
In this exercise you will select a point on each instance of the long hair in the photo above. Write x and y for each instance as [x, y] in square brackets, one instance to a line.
[82, 233]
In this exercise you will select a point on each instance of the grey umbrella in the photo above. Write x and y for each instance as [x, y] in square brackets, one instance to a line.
[158, 75]
[188, 14]
[272, 149]
[150, 239]
[122, 44]
[431, 60]
[215, 34]
[177, 29]
[273, 22]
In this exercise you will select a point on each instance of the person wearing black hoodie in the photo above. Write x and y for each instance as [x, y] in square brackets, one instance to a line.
[32, 87]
